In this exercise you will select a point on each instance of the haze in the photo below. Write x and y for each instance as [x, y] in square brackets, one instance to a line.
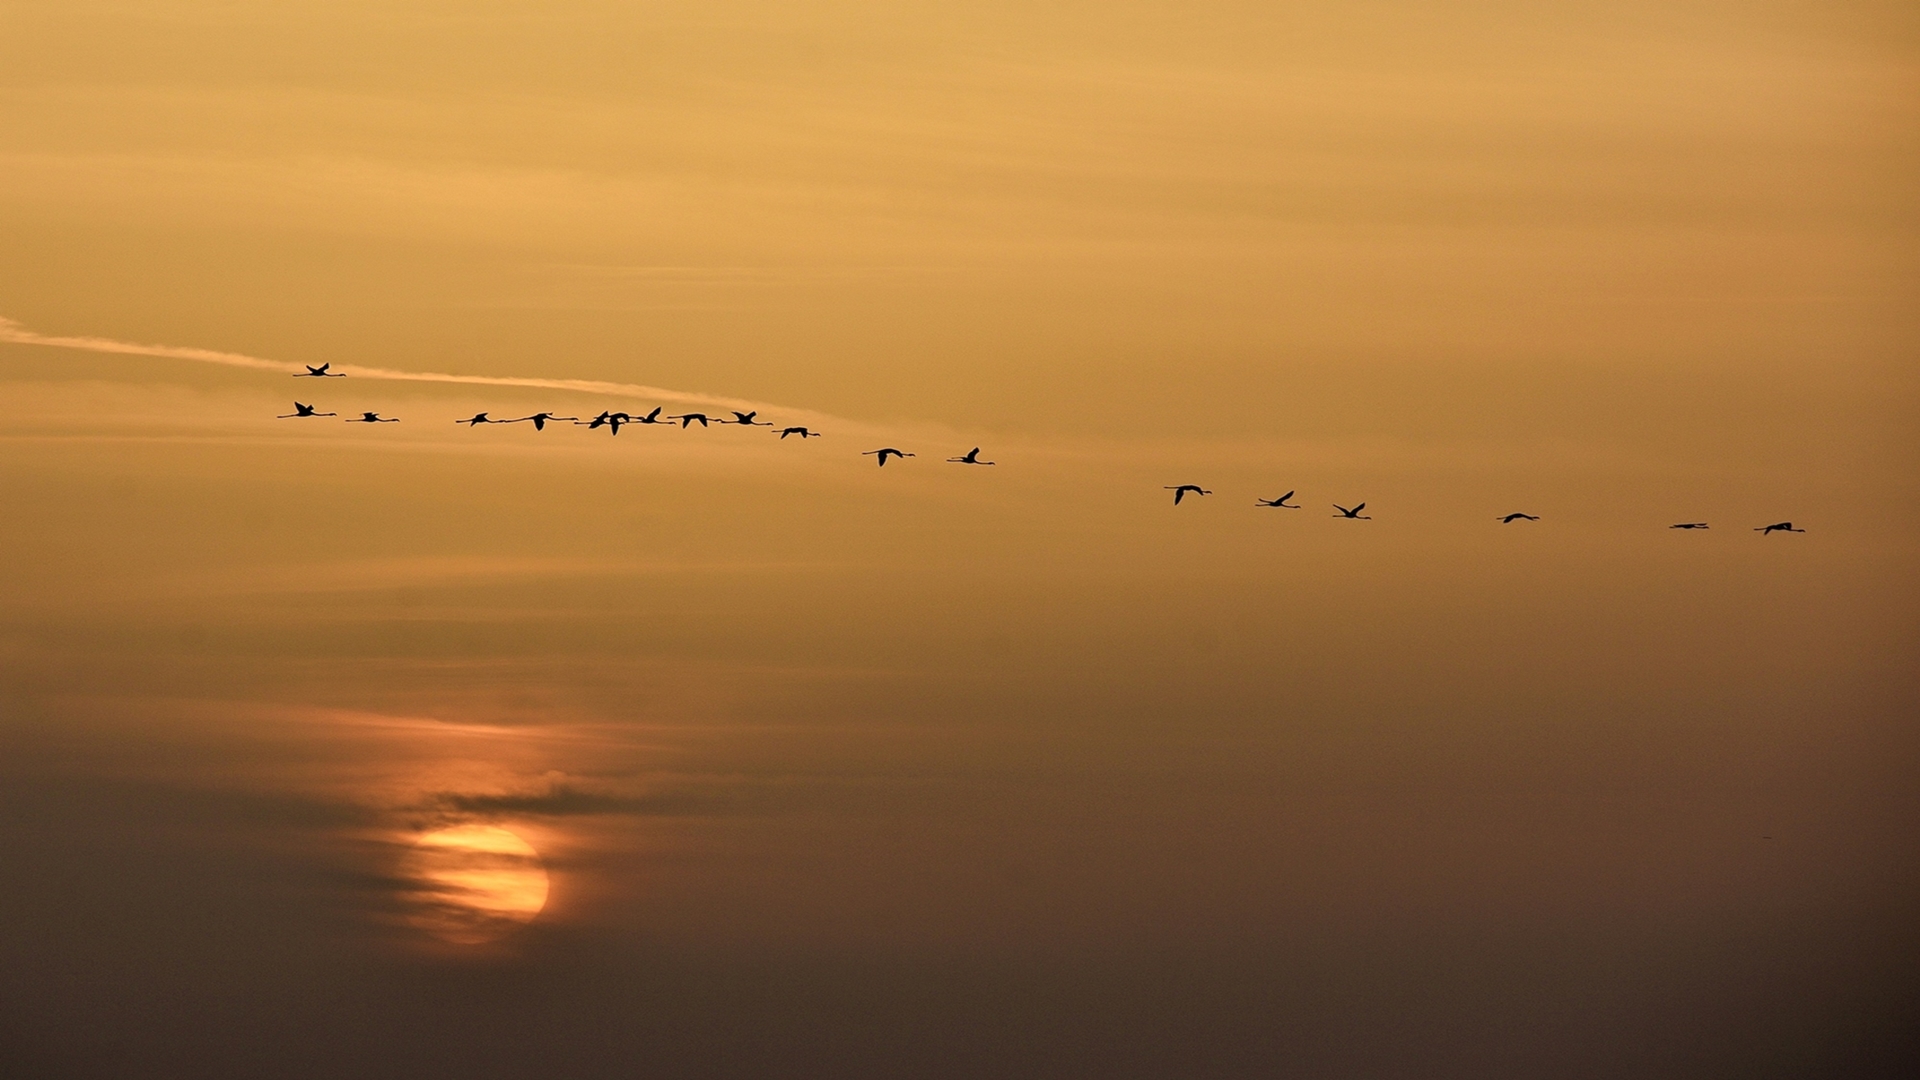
[934, 770]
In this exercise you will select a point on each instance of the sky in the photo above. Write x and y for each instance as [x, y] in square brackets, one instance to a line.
[421, 749]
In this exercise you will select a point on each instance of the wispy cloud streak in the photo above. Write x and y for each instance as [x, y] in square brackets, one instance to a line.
[12, 332]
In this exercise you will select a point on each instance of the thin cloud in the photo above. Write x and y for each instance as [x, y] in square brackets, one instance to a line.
[14, 333]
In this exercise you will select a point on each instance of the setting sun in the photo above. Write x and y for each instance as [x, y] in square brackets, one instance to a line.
[475, 882]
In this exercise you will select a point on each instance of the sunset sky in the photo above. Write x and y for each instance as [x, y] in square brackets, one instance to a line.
[421, 749]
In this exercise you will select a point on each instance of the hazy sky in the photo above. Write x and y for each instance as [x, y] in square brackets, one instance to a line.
[932, 770]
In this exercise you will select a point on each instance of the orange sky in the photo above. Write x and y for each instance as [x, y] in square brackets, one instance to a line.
[970, 771]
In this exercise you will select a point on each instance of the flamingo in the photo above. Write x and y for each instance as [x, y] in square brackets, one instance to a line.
[745, 419]
[480, 418]
[800, 431]
[884, 451]
[319, 372]
[300, 410]
[1280, 502]
[1353, 514]
[971, 457]
[1511, 518]
[1689, 525]
[1784, 526]
[373, 418]
[539, 420]
[1180, 491]
[687, 419]
[651, 418]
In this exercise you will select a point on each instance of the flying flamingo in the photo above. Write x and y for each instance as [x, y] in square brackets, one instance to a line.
[1689, 525]
[1353, 514]
[1784, 526]
[319, 372]
[480, 418]
[539, 420]
[1280, 502]
[687, 419]
[800, 431]
[373, 418]
[302, 410]
[971, 457]
[610, 420]
[884, 451]
[1511, 518]
[1180, 492]
[651, 418]
[745, 419]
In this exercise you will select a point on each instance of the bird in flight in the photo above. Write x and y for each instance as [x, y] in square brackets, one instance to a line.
[373, 418]
[651, 418]
[800, 431]
[1784, 526]
[539, 420]
[1180, 491]
[480, 418]
[884, 451]
[303, 410]
[1689, 525]
[609, 420]
[745, 419]
[1280, 502]
[1511, 518]
[971, 457]
[320, 372]
[687, 419]
[1353, 514]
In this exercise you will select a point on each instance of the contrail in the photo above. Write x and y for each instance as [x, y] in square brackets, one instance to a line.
[13, 332]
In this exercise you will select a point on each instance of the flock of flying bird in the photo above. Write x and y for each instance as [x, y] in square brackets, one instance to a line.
[614, 421]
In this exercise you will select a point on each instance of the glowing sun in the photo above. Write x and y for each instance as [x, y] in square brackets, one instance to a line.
[473, 883]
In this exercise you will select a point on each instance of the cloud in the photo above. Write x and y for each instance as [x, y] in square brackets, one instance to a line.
[558, 800]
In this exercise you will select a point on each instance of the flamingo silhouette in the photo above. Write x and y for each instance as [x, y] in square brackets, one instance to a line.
[480, 418]
[319, 372]
[609, 420]
[372, 418]
[745, 419]
[1784, 526]
[1180, 491]
[1353, 514]
[687, 419]
[884, 451]
[800, 431]
[1689, 525]
[1511, 518]
[300, 410]
[651, 418]
[539, 420]
[1280, 502]
[971, 457]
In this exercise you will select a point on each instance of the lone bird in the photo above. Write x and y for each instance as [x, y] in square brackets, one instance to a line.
[745, 419]
[1511, 518]
[1180, 491]
[373, 418]
[1784, 526]
[300, 410]
[1353, 514]
[320, 372]
[689, 418]
[800, 431]
[1280, 502]
[884, 451]
[1689, 525]
[539, 420]
[480, 418]
[971, 457]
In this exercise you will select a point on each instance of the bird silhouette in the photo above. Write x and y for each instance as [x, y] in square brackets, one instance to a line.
[1689, 525]
[1784, 526]
[1280, 502]
[608, 420]
[1353, 514]
[971, 457]
[372, 418]
[320, 372]
[651, 418]
[480, 418]
[302, 410]
[745, 419]
[884, 451]
[1511, 518]
[687, 419]
[1180, 491]
[539, 420]
[800, 431]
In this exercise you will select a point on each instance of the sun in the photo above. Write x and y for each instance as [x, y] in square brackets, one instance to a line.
[474, 883]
